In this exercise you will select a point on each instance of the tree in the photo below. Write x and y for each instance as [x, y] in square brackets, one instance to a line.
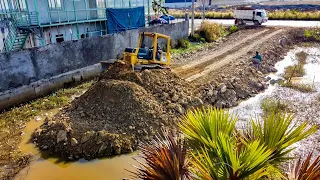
[158, 8]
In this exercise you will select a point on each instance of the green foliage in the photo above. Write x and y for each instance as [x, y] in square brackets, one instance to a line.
[306, 170]
[223, 152]
[273, 106]
[196, 37]
[277, 133]
[192, 48]
[165, 159]
[211, 31]
[201, 127]
[233, 29]
[312, 34]
[157, 7]
[183, 43]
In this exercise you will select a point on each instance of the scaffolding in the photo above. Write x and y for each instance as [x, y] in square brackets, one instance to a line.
[31, 23]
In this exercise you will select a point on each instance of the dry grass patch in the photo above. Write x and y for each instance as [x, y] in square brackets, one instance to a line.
[305, 88]
[294, 71]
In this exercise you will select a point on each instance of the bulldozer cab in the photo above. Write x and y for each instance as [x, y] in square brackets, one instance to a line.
[153, 51]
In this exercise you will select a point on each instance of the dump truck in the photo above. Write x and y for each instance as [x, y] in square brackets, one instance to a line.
[248, 15]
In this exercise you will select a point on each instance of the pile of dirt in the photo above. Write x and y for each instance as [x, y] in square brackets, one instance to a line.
[121, 110]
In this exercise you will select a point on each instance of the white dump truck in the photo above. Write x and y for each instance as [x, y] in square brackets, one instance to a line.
[247, 15]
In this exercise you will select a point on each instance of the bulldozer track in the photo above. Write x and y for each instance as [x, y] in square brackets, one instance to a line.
[221, 57]
[191, 68]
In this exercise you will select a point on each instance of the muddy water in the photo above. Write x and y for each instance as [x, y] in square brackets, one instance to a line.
[50, 168]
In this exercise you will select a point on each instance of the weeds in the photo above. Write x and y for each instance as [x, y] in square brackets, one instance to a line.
[302, 57]
[233, 29]
[183, 43]
[294, 71]
[273, 106]
[12, 122]
[211, 31]
[192, 48]
[305, 88]
[305, 170]
[312, 34]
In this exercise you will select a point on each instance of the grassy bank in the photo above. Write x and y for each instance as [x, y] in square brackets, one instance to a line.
[12, 123]
[273, 15]
[203, 37]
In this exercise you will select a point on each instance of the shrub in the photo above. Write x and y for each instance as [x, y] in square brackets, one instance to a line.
[294, 71]
[211, 31]
[221, 151]
[312, 34]
[302, 57]
[183, 43]
[165, 158]
[305, 170]
[233, 29]
[196, 37]
[273, 106]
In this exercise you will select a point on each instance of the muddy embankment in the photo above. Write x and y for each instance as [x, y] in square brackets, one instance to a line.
[125, 108]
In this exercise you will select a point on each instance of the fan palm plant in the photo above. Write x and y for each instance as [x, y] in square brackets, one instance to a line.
[306, 170]
[165, 159]
[223, 152]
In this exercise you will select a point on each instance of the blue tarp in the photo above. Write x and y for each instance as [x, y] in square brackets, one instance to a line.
[124, 19]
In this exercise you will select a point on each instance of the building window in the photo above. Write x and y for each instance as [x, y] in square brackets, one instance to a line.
[55, 4]
[59, 38]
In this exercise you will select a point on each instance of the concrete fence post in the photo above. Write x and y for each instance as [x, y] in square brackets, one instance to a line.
[186, 17]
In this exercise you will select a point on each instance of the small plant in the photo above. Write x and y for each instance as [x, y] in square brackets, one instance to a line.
[302, 57]
[211, 31]
[196, 37]
[183, 43]
[305, 170]
[223, 152]
[233, 29]
[165, 159]
[312, 34]
[273, 106]
[305, 88]
[294, 71]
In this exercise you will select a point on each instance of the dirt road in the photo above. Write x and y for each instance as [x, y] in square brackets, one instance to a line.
[228, 53]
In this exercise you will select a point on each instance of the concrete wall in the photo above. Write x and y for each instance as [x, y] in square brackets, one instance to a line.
[20, 68]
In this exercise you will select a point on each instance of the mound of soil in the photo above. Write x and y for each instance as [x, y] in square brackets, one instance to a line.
[121, 110]
[110, 118]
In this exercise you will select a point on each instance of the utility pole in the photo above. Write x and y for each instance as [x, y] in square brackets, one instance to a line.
[192, 18]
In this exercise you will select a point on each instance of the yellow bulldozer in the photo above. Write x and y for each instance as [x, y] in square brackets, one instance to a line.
[156, 56]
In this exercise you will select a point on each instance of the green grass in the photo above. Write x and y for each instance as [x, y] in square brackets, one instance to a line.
[192, 48]
[273, 106]
[312, 34]
[305, 88]
[13, 120]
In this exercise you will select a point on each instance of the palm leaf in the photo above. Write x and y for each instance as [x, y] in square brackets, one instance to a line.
[277, 132]
[306, 170]
[164, 159]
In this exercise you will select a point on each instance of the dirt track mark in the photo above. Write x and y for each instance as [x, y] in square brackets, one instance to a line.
[183, 70]
[231, 57]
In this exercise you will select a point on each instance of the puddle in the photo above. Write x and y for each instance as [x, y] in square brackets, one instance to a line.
[50, 168]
